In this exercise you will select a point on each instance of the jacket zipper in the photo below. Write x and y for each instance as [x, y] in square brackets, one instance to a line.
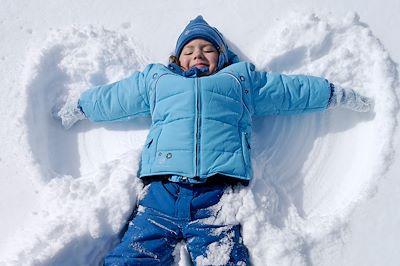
[197, 165]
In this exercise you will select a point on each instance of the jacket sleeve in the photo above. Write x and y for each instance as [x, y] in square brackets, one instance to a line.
[274, 93]
[120, 100]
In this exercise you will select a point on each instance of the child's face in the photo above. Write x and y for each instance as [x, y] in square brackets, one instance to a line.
[199, 53]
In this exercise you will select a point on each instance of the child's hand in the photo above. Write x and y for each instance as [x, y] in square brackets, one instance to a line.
[350, 99]
[69, 114]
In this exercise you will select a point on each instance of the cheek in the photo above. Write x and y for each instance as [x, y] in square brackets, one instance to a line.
[213, 59]
[184, 62]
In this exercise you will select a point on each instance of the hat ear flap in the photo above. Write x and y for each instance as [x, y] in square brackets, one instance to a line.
[222, 59]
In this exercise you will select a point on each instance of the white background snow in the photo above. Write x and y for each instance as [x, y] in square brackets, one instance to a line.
[326, 187]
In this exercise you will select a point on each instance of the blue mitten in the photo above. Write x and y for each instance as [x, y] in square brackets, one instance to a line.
[69, 114]
[350, 99]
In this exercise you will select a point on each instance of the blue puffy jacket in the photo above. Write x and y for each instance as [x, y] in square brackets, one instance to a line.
[201, 126]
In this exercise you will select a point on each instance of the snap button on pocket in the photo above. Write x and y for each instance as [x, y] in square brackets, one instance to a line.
[169, 155]
[155, 75]
[242, 78]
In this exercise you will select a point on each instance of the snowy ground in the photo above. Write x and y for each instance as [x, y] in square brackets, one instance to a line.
[325, 186]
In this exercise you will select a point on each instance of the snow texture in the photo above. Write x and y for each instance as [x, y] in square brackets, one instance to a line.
[310, 171]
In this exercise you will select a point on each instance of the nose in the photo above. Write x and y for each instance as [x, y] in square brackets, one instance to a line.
[198, 53]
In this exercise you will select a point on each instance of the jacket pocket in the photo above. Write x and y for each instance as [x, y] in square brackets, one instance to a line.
[150, 147]
[246, 149]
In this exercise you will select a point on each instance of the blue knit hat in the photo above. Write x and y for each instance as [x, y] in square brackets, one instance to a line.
[198, 28]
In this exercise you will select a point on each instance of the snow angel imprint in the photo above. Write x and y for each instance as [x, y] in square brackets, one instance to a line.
[201, 105]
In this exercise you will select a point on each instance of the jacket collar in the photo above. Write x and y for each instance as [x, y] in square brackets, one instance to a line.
[190, 73]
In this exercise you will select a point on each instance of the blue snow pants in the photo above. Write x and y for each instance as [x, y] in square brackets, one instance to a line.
[171, 212]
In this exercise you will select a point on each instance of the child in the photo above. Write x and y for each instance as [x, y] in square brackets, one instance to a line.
[201, 106]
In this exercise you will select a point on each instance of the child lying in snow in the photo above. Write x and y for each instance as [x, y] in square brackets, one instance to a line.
[201, 106]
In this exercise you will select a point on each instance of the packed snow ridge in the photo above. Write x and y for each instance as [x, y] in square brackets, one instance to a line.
[309, 170]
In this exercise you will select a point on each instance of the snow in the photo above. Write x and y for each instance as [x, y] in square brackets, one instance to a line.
[322, 182]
